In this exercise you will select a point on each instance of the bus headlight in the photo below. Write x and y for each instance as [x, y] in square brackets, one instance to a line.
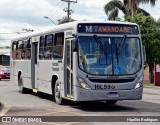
[1, 72]
[139, 83]
[82, 83]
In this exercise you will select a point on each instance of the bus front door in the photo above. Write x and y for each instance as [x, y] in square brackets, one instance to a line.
[34, 65]
[69, 68]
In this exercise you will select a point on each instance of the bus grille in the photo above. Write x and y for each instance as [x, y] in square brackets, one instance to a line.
[112, 80]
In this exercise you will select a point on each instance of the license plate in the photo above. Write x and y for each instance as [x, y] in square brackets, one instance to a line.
[7, 76]
[112, 95]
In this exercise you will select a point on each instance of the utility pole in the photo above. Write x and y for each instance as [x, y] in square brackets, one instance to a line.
[68, 10]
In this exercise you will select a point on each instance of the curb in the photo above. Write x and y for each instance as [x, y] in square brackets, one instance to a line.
[155, 90]
[3, 108]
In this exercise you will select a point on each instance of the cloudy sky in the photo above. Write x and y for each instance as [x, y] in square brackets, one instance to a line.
[16, 15]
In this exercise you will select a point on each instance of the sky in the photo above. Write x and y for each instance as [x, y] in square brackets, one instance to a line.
[16, 15]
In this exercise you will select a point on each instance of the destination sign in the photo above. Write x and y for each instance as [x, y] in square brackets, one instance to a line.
[108, 29]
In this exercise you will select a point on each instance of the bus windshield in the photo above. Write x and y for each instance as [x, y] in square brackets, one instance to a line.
[109, 55]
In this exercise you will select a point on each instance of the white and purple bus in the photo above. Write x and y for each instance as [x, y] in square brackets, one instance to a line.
[81, 61]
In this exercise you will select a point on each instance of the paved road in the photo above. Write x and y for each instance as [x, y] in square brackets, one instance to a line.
[17, 104]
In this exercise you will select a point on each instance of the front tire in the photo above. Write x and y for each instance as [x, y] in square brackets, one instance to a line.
[57, 94]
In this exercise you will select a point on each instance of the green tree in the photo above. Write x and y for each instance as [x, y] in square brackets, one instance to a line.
[149, 29]
[7, 47]
[133, 5]
[65, 20]
[128, 7]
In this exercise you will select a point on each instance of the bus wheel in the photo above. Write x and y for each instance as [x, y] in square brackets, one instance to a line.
[57, 94]
[20, 83]
[111, 102]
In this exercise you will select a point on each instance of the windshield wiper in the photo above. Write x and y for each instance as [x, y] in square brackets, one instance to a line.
[100, 44]
[122, 44]
[104, 50]
[119, 47]
[117, 53]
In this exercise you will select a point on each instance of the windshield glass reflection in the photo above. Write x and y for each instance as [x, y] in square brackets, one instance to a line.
[108, 55]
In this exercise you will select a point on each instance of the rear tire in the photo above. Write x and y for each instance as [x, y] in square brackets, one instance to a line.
[111, 102]
[20, 84]
[57, 94]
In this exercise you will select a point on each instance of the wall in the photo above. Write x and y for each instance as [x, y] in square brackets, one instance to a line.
[146, 75]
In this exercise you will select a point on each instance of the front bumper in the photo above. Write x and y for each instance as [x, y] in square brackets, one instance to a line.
[99, 95]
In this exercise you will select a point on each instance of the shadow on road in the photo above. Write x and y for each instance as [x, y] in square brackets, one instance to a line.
[92, 106]
[101, 106]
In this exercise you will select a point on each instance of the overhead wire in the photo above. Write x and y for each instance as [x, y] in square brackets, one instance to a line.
[58, 12]
[48, 14]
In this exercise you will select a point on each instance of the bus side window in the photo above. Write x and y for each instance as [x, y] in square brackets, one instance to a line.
[41, 47]
[58, 45]
[19, 49]
[48, 46]
[23, 50]
[14, 50]
[28, 50]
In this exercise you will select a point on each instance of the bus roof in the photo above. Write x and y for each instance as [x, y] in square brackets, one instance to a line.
[70, 25]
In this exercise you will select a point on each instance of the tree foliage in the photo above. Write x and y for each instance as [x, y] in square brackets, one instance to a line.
[65, 20]
[149, 29]
[128, 7]
[4, 47]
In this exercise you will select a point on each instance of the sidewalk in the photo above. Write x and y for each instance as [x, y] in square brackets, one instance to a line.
[152, 89]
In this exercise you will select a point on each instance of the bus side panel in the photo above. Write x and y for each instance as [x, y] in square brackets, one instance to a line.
[26, 72]
[16, 68]
[46, 69]
[11, 71]
[44, 72]
[23, 67]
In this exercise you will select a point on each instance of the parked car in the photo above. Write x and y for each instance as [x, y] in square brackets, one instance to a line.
[4, 72]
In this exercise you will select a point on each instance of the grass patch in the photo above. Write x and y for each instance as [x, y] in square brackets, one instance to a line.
[148, 84]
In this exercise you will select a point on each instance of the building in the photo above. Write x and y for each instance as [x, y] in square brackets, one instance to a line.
[5, 57]
[146, 75]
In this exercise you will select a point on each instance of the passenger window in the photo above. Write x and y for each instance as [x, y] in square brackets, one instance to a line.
[14, 52]
[49, 40]
[27, 49]
[41, 47]
[19, 50]
[48, 48]
[58, 45]
[23, 49]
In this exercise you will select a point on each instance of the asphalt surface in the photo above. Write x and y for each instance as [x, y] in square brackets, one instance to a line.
[41, 106]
